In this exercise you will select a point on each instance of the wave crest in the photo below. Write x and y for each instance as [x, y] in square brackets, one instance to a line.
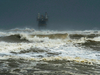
[24, 37]
[13, 38]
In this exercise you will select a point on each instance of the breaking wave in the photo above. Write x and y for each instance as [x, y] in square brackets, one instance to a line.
[78, 36]
[24, 47]
[13, 38]
[30, 37]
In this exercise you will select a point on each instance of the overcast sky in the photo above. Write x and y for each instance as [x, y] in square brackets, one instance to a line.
[63, 14]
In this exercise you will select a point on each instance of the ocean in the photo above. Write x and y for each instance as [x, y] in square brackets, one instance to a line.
[49, 52]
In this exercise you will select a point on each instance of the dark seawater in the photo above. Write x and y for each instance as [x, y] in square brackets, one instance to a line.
[32, 52]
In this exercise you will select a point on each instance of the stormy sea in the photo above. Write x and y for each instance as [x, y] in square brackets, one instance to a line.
[47, 52]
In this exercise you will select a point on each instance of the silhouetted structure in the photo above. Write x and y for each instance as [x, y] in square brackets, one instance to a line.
[42, 20]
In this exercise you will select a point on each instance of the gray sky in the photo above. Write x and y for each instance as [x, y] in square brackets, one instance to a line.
[63, 14]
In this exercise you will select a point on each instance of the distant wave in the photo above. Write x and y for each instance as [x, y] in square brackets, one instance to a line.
[29, 38]
[38, 37]
[24, 29]
[78, 36]
[13, 38]
[53, 36]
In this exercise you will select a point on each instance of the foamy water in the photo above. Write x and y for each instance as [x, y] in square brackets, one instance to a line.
[30, 44]
[65, 47]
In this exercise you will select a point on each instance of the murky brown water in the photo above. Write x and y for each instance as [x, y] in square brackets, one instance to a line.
[56, 67]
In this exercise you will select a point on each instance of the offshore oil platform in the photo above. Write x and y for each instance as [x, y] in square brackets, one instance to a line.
[42, 20]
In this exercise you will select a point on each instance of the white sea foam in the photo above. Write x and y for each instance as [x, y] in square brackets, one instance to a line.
[64, 47]
[96, 38]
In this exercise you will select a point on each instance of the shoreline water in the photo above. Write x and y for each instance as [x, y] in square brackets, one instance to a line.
[33, 52]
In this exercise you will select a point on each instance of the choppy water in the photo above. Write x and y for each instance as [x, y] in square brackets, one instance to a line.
[32, 52]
